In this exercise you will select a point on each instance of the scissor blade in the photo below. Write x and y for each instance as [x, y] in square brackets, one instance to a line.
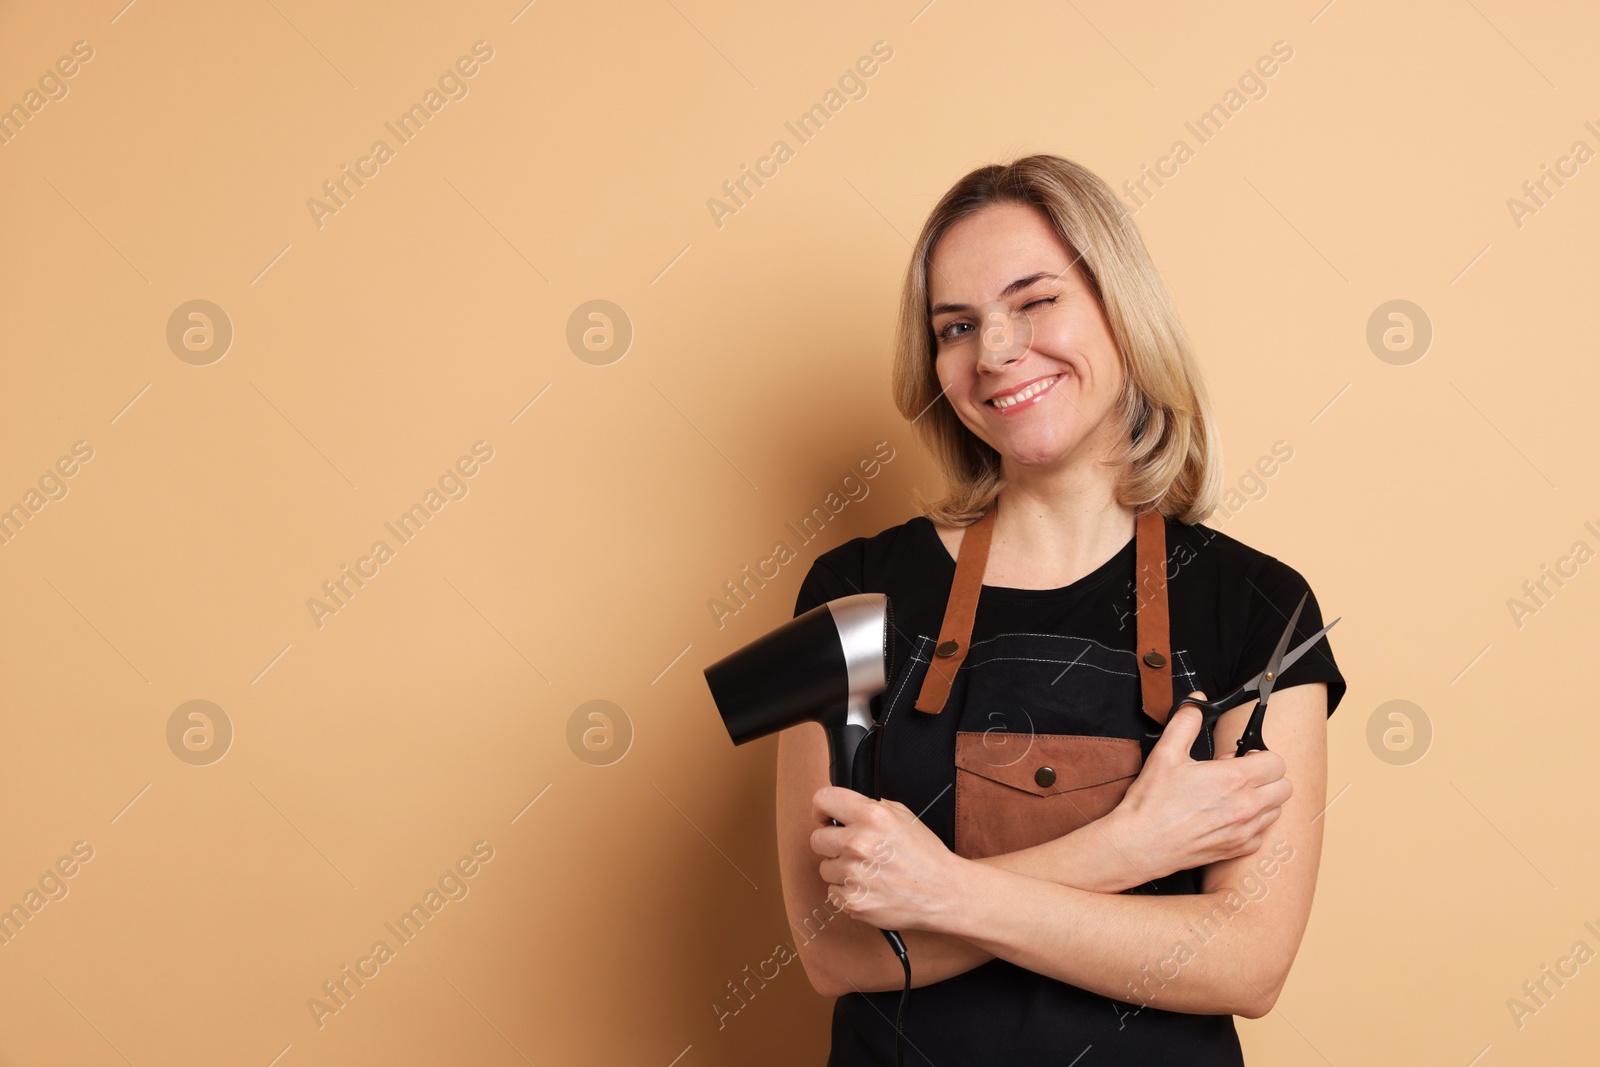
[1303, 647]
[1288, 660]
[1274, 668]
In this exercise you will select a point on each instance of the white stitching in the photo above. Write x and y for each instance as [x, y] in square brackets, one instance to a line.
[967, 664]
[1033, 659]
[1071, 662]
[1057, 637]
[1187, 672]
[916, 657]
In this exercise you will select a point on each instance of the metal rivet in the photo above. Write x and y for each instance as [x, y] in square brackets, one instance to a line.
[1045, 776]
[1154, 659]
[947, 648]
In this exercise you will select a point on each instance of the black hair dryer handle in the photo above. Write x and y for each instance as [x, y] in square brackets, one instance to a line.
[851, 751]
[852, 763]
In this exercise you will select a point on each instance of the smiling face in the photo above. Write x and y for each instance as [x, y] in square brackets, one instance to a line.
[1002, 265]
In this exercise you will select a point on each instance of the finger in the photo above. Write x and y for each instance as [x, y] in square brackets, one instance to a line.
[837, 802]
[846, 891]
[1258, 825]
[829, 840]
[841, 895]
[840, 870]
[1275, 793]
[1264, 766]
[1183, 726]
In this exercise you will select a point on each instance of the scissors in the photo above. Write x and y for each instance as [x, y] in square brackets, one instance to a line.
[1260, 687]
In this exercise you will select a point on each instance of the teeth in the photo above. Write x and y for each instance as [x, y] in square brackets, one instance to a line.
[1031, 391]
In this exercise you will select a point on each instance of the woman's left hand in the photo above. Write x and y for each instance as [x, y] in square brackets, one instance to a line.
[884, 866]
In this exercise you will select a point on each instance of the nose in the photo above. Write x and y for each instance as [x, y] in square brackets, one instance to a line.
[1003, 337]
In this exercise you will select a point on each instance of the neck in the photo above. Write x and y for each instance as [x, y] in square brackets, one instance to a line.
[1060, 524]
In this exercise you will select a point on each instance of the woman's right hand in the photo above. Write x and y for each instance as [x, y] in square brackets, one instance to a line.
[1182, 813]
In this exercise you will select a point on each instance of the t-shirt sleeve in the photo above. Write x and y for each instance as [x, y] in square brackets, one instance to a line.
[1274, 591]
[825, 582]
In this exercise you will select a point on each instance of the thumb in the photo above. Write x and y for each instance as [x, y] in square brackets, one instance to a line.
[1183, 726]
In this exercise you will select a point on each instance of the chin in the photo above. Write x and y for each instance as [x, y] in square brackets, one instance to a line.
[1039, 457]
[1043, 454]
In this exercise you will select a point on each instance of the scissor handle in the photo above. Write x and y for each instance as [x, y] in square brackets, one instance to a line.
[1212, 710]
[1250, 740]
[1208, 714]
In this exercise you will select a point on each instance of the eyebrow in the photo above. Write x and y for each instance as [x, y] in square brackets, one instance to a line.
[1015, 287]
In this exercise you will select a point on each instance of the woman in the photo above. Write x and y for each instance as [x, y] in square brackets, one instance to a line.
[1057, 888]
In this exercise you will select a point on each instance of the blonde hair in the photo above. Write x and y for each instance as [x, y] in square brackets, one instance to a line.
[1174, 463]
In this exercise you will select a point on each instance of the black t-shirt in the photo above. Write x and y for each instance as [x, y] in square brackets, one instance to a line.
[1227, 604]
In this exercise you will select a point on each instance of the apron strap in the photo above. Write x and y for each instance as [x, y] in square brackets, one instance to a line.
[1150, 610]
[956, 630]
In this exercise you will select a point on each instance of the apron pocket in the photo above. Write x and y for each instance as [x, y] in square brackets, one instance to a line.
[1060, 782]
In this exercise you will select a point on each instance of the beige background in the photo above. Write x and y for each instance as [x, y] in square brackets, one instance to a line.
[433, 709]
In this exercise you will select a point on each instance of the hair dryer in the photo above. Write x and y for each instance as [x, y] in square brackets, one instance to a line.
[823, 666]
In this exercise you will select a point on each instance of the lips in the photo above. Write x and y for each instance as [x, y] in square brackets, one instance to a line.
[1024, 395]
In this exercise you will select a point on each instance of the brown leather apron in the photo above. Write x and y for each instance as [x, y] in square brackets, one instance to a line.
[1015, 791]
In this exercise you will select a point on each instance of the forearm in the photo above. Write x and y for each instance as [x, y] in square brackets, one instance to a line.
[1091, 858]
[860, 958]
[1183, 953]
[854, 956]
